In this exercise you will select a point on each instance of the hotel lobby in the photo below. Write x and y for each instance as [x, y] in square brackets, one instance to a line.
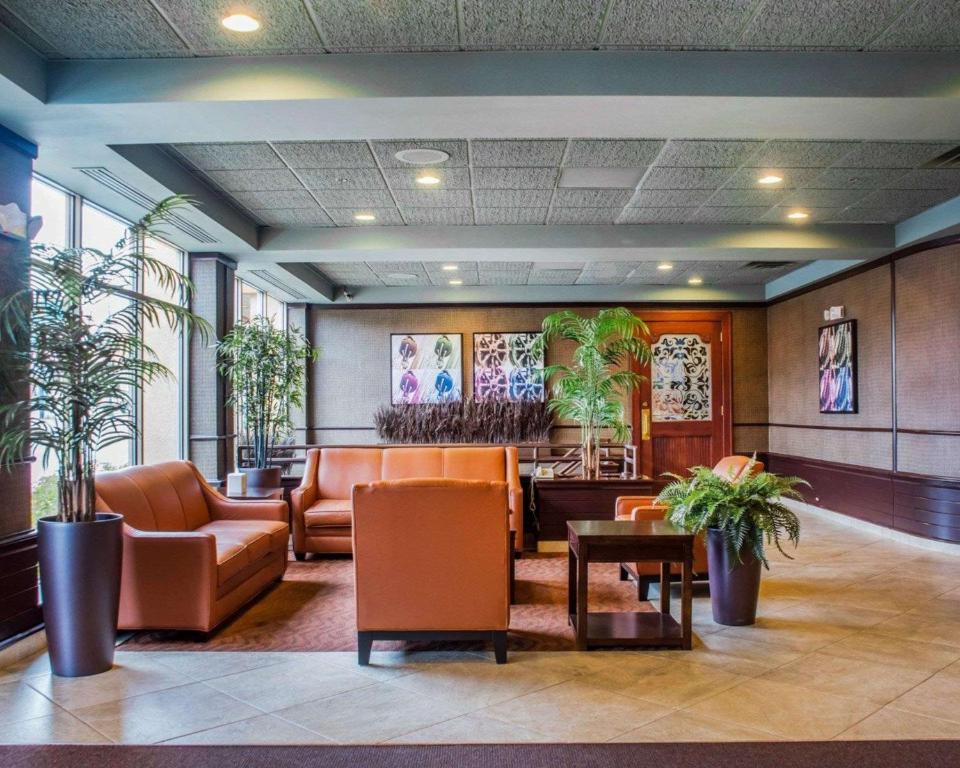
[467, 382]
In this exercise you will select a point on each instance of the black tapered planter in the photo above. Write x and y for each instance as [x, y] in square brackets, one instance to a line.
[80, 579]
[270, 477]
[734, 586]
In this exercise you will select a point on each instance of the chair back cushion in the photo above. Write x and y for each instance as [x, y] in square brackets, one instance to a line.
[159, 497]
[733, 467]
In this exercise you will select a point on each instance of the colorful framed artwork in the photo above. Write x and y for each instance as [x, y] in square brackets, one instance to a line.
[426, 368]
[507, 368]
[838, 367]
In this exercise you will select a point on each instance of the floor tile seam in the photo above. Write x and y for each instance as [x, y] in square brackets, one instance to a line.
[243, 720]
[457, 717]
[180, 684]
[170, 665]
[68, 713]
[698, 716]
[369, 684]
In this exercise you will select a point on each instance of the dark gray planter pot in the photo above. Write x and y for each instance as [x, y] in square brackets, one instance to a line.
[263, 478]
[80, 579]
[734, 586]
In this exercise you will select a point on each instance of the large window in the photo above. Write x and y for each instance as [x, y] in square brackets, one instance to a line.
[252, 302]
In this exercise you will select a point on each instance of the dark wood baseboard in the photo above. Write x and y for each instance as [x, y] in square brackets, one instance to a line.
[921, 505]
[19, 587]
[365, 640]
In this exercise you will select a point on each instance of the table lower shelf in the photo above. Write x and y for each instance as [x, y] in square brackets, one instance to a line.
[629, 628]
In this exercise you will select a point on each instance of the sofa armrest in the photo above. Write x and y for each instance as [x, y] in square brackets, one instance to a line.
[307, 492]
[514, 495]
[222, 508]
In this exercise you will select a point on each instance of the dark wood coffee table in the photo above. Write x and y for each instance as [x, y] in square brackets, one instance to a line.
[626, 541]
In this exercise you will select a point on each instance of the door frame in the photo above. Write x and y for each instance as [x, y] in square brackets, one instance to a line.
[725, 318]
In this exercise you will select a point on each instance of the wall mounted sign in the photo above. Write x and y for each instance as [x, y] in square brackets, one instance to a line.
[505, 367]
[838, 367]
[426, 368]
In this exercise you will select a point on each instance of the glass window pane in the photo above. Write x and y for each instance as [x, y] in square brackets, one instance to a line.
[680, 378]
[249, 304]
[275, 311]
[53, 205]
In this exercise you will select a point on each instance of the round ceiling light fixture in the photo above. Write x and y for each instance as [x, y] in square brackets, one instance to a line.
[428, 179]
[450, 267]
[422, 156]
[798, 215]
[240, 22]
[665, 266]
[695, 281]
[364, 217]
[456, 282]
[770, 178]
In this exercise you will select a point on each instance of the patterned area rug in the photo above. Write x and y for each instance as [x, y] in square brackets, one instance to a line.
[312, 609]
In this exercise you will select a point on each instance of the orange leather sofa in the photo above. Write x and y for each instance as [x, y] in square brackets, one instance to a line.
[645, 508]
[321, 504]
[191, 557]
[431, 561]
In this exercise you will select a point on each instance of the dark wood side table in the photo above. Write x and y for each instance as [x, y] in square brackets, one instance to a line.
[253, 494]
[623, 541]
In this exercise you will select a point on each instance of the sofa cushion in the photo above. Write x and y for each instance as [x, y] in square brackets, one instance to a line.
[405, 463]
[474, 464]
[242, 542]
[158, 497]
[327, 513]
[340, 468]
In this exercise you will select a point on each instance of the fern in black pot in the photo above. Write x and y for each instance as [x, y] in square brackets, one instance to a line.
[739, 517]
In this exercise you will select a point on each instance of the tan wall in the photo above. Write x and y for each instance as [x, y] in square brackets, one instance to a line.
[352, 378]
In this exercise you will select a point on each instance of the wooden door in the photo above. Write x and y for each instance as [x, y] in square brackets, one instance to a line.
[681, 412]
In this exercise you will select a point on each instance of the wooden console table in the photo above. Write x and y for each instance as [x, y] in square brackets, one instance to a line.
[559, 500]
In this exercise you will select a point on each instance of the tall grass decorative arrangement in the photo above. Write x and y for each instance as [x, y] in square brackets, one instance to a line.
[466, 422]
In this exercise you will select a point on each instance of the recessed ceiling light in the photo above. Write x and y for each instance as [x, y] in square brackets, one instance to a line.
[429, 179]
[798, 215]
[422, 156]
[450, 267]
[695, 281]
[241, 22]
[456, 282]
[665, 267]
[364, 217]
[770, 178]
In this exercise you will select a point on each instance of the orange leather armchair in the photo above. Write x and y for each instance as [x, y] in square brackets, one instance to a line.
[321, 505]
[645, 508]
[431, 561]
[191, 557]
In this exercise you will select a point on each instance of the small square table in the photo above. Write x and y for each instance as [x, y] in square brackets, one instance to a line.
[626, 541]
[255, 493]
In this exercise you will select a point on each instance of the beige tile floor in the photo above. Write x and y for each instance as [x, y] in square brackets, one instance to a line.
[858, 638]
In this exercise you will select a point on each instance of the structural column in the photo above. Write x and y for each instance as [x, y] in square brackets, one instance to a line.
[211, 441]
[300, 318]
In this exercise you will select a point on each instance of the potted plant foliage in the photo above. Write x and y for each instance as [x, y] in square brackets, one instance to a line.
[266, 367]
[738, 517]
[76, 336]
[591, 388]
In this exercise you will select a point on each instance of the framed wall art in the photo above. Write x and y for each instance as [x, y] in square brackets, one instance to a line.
[426, 368]
[506, 368]
[838, 367]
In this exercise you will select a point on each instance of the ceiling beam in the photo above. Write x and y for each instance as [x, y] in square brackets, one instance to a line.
[308, 277]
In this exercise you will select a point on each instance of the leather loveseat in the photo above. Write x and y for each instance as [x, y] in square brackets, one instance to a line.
[321, 505]
[191, 557]
[644, 508]
[431, 561]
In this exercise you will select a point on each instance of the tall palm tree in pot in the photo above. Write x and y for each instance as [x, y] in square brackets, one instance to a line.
[75, 334]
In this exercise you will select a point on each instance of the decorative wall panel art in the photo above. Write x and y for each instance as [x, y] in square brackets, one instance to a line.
[506, 368]
[838, 367]
[680, 378]
[426, 368]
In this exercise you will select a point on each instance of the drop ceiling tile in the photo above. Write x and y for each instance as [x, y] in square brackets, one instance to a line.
[894, 154]
[433, 198]
[553, 276]
[686, 178]
[855, 178]
[503, 272]
[26, 33]
[504, 266]
[601, 178]
[514, 178]
[438, 216]
[670, 198]
[928, 178]
[800, 154]
[410, 267]
[265, 200]
[746, 178]
[386, 217]
[866, 216]
[348, 273]
[386, 152]
[354, 198]
[399, 25]
[591, 198]
[516, 153]
[511, 215]
[395, 280]
[925, 27]
[697, 153]
[342, 178]
[605, 272]
[294, 217]
[908, 199]
[437, 267]
[583, 215]
[255, 181]
[450, 178]
[547, 265]
[679, 24]
[668, 215]
[508, 198]
[286, 27]
[722, 215]
[326, 154]
[100, 29]
[612, 153]
[819, 23]
[823, 198]
[238, 156]
[530, 24]
[745, 197]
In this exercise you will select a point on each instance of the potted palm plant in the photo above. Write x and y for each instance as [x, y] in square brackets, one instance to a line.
[76, 336]
[590, 389]
[737, 516]
[266, 367]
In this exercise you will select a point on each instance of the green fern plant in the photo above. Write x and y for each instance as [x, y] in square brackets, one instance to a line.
[747, 512]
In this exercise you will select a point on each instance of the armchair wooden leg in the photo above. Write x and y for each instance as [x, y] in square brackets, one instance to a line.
[500, 647]
[364, 646]
[624, 573]
[643, 588]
